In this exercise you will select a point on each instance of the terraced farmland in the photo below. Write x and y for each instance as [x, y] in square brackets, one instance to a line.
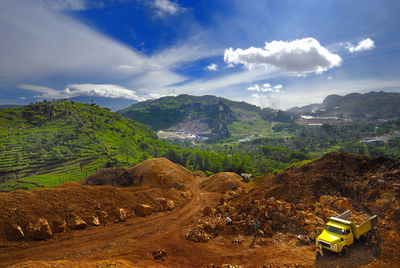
[47, 143]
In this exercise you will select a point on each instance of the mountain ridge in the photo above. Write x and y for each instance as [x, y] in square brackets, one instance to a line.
[368, 106]
[216, 114]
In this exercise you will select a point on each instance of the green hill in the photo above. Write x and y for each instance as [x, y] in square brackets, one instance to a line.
[368, 106]
[204, 115]
[47, 143]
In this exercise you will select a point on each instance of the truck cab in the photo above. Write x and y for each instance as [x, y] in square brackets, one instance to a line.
[335, 236]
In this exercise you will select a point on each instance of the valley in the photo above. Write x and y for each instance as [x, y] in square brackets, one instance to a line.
[106, 190]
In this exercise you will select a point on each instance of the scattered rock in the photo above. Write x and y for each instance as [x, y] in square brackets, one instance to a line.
[75, 222]
[163, 204]
[59, 226]
[102, 215]
[159, 255]
[121, 215]
[14, 232]
[207, 211]
[93, 220]
[187, 195]
[341, 204]
[39, 230]
[197, 234]
[327, 200]
[170, 204]
[160, 204]
[143, 210]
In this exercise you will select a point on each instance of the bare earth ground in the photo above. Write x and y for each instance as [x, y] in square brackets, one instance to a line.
[131, 244]
[136, 239]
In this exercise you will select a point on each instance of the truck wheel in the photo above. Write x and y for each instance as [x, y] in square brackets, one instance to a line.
[345, 251]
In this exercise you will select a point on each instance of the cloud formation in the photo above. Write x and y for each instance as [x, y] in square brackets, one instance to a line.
[166, 7]
[212, 67]
[301, 56]
[76, 90]
[366, 44]
[41, 42]
[73, 4]
[265, 88]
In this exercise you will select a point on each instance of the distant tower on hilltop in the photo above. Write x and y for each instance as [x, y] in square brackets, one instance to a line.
[171, 92]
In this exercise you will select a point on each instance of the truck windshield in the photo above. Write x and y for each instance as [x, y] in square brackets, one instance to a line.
[335, 230]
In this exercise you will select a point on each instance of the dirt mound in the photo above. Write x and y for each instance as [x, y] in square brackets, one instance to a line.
[299, 201]
[157, 172]
[223, 182]
[75, 206]
[359, 178]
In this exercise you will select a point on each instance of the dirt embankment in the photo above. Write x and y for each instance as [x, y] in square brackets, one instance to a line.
[158, 186]
[156, 172]
[224, 182]
[299, 201]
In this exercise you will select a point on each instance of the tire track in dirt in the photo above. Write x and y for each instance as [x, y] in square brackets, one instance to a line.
[103, 242]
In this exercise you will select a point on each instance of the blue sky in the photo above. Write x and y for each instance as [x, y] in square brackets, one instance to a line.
[272, 53]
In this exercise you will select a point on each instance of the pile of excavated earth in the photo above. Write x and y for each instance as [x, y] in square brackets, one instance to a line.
[172, 217]
[152, 186]
[299, 202]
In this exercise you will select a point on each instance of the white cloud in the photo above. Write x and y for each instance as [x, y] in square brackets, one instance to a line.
[366, 44]
[39, 43]
[76, 90]
[304, 93]
[301, 56]
[166, 7]
[126, 68]
[212, 67]
[265, 88]
[73, 4]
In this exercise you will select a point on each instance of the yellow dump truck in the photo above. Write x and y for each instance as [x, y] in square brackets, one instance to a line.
[340, 233]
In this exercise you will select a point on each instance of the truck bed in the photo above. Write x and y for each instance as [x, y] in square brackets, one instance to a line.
[358, 229]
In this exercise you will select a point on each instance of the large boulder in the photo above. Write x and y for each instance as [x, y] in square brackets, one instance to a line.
[157, 172]
[39, 230]
[143, 210]
[14, 232]
[75, 222]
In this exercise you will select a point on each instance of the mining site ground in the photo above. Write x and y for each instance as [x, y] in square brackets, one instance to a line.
[131, 244]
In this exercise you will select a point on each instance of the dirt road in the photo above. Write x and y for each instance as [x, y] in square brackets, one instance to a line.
[136, 239]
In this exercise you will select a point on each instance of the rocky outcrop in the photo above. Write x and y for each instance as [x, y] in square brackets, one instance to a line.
[39, 230]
